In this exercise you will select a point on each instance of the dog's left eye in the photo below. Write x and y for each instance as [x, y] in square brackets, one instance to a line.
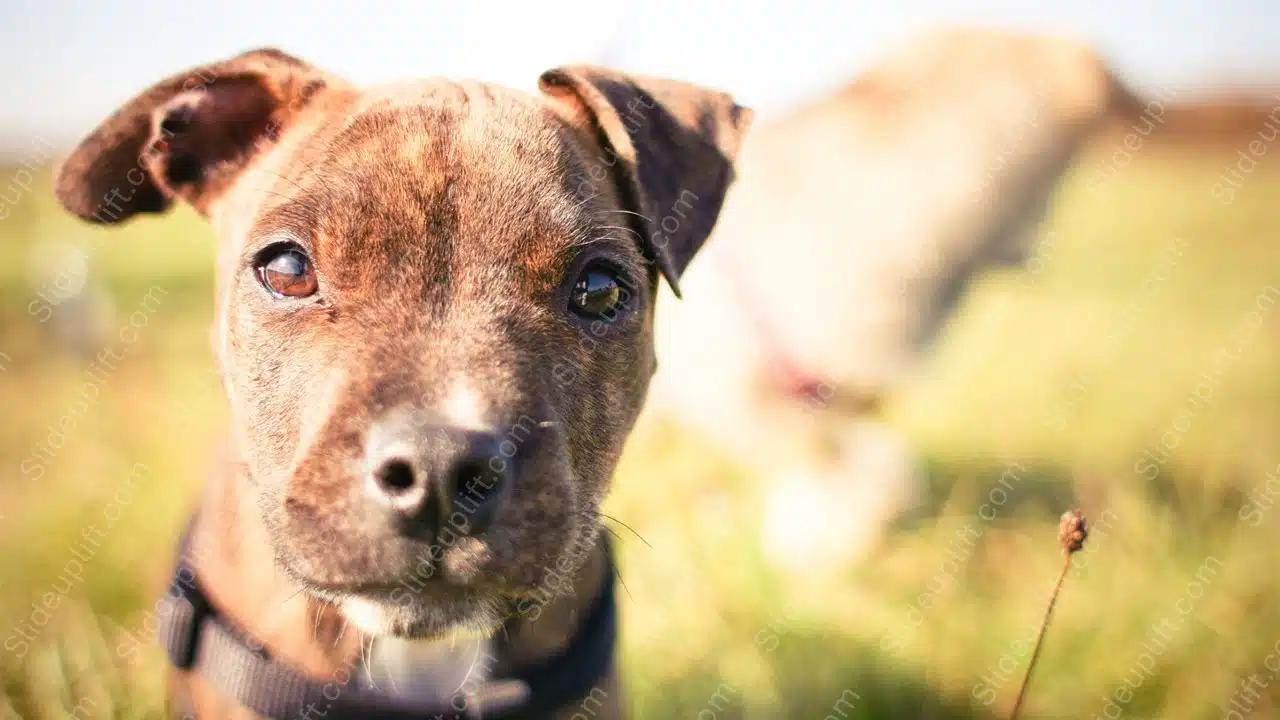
[597, 293]
[286, 271]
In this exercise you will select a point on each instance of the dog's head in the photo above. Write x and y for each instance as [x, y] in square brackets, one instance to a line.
[434, 305]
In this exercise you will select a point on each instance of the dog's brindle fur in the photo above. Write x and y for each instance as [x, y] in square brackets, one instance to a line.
[445, 222]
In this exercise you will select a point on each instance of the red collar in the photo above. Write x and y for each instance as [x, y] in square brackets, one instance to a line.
[785, 373]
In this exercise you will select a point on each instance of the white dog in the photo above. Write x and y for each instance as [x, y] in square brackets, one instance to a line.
[853, 228]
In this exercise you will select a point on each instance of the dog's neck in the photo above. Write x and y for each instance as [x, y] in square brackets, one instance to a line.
[230, 551]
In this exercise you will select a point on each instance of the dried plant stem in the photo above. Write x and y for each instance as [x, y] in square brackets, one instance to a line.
[1044, 624]
[1072, 532]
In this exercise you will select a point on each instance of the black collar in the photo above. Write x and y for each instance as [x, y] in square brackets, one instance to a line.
[197, 638]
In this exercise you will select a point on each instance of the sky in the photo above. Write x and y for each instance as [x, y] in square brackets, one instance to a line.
[65, 65]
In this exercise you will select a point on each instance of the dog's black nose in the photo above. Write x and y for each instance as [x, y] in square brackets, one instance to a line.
[436, 477]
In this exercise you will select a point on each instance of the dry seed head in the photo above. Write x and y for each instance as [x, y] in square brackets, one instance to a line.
[1072, 531]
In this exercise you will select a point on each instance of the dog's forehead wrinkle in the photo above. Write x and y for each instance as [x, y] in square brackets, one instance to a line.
[480, 203]
[404, 144]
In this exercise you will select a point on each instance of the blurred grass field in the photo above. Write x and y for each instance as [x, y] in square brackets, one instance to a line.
[1072, 368]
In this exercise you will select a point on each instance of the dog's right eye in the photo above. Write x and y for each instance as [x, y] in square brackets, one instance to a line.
[597, 292]
[286, 271]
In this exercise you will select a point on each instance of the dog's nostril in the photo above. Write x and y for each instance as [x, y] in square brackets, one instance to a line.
[395, 477]
[478, 490]
[476, 482]
[401, 485]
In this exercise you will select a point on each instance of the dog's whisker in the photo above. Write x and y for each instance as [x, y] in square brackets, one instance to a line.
[329, 150]
[273, 617]
[628, 527]
[294, 595]
[299, 205]
[265, 191]
[612, 532]
[296, 206]
[470, 669]
[629, 212]
[588, 242]
[586, 200]
[341, 631]
[288, 180]
[391, 675]
[366, 659]
[618, 574]
[624, 229]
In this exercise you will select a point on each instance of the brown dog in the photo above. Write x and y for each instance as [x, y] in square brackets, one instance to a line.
[846, 246]
[434, 328]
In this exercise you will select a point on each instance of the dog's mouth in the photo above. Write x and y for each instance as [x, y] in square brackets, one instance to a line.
[418, 611]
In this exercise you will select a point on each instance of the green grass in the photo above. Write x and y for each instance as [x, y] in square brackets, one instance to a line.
[1026, 373]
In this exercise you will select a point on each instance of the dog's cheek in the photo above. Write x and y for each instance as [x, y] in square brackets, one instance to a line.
[603, 401]
[267, 379]
[540, 525]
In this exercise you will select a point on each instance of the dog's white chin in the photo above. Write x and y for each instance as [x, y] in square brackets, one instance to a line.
[475, 617]
[367, 615]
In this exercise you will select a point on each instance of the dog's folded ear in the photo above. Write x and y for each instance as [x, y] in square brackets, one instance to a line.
[671, 146]
[186, 137]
